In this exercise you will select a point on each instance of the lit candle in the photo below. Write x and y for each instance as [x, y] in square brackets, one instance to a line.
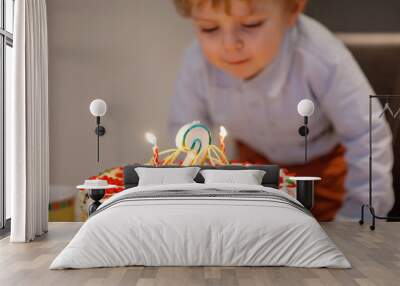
[152, 139]
[222, 135]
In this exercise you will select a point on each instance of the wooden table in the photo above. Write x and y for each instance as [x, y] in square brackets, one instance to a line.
[374, 255]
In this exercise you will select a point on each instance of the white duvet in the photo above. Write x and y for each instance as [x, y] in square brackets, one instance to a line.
[191, 231]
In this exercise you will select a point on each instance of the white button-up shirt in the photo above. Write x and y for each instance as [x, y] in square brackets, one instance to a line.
[262, 112]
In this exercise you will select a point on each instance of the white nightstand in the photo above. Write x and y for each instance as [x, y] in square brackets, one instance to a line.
[96, 191]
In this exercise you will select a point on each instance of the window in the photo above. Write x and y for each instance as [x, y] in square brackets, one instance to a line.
[6, 57]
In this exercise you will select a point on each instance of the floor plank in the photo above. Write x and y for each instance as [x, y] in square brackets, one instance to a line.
[374, 255]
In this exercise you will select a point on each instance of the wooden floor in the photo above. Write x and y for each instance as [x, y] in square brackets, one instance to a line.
[375, 257]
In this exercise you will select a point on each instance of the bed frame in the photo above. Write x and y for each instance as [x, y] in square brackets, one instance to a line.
[270, 179]
[131, 179]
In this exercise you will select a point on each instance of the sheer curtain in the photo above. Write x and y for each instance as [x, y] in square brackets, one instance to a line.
[27, 124]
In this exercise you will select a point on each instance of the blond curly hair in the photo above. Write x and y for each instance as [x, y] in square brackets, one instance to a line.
[184, 7]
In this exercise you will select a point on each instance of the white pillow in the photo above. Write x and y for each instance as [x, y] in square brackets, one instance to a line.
[162, 176]
[248, 177]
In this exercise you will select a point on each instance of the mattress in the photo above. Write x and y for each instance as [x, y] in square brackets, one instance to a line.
[201, 225]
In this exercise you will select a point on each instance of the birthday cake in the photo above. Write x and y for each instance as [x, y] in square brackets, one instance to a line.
[194, 146]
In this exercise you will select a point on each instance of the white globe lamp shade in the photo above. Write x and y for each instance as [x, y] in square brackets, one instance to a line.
[98, 107]
[305, 108]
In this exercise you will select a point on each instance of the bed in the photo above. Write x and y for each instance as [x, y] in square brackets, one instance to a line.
[201, 224]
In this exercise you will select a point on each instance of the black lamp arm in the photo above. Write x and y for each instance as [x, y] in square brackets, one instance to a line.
[303, 131]
[100, 131]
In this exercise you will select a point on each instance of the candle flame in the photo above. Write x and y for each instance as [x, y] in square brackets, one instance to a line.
[151, 138]
[222, 132]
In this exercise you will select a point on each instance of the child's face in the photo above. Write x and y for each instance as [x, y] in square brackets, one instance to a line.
[246, 41]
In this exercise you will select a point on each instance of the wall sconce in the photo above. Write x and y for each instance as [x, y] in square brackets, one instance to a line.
[305, 108]
[98, 108]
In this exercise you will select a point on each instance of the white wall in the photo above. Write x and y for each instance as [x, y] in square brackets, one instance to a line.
[126, 52]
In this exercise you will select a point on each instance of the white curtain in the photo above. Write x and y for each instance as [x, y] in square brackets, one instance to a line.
[27, 123]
